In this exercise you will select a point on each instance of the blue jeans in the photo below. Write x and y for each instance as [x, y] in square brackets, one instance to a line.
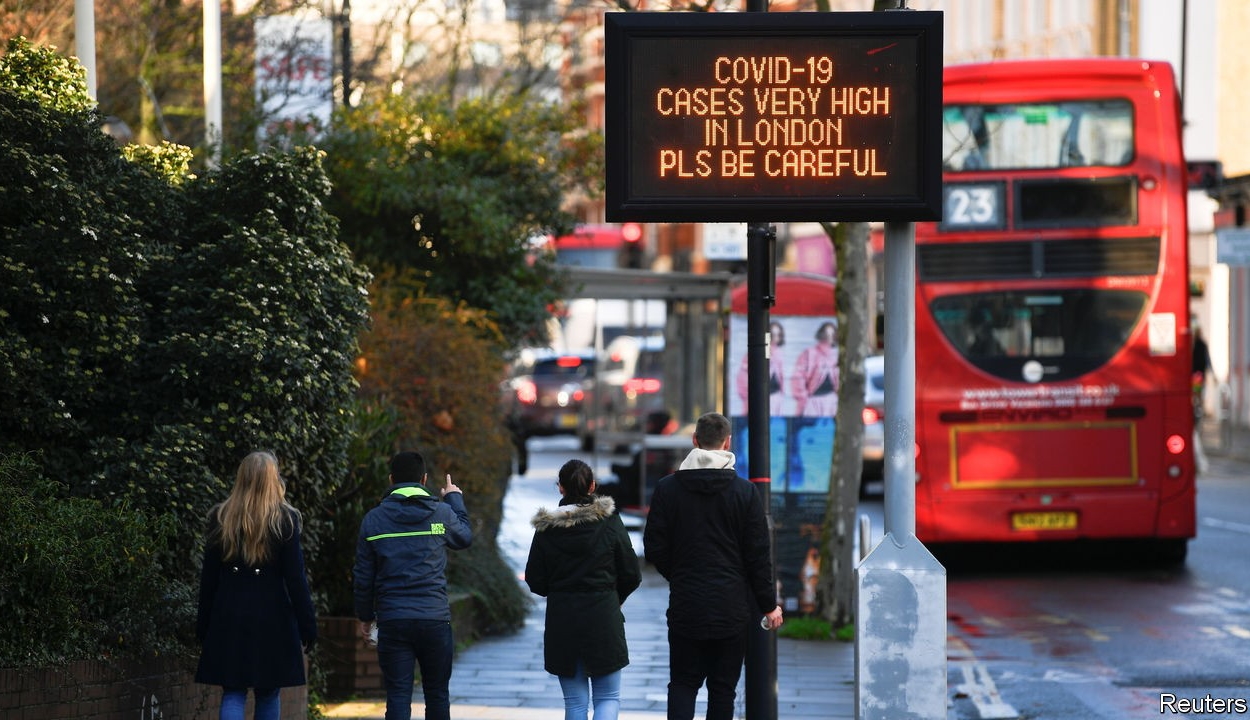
[691, 661]
[577, 693]
[234, 700]
[402, 646]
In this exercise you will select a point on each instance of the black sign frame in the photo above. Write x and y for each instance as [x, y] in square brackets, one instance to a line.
[911, 147]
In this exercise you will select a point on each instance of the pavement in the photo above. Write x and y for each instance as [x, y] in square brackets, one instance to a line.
[502, 678]
[1221, 439]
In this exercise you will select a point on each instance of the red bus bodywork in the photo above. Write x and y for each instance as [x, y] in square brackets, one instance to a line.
[1052, 321]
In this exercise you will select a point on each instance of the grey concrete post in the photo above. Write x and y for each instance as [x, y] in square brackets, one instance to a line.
[900, 379]
[900, 643]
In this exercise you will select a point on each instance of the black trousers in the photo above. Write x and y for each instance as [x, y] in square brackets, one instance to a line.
[691, 661]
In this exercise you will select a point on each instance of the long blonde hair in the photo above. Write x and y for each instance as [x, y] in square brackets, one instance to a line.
[256, 511]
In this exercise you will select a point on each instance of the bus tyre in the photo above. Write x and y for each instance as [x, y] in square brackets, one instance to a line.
[1171, 552]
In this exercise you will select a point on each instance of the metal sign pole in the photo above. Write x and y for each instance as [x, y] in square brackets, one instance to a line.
[761, 658]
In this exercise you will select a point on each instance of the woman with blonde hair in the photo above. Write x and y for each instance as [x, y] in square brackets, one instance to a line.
[256, 615]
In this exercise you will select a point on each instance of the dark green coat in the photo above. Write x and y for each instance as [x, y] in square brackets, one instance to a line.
[582, 561]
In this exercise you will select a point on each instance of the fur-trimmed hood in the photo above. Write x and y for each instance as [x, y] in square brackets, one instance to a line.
[582, 560]
[567, 516]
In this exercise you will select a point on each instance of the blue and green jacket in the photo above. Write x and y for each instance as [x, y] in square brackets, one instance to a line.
[401, 554]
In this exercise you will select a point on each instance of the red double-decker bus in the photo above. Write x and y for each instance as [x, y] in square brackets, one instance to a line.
[1052, 323]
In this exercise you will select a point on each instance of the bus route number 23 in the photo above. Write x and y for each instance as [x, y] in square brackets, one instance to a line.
[972, 206]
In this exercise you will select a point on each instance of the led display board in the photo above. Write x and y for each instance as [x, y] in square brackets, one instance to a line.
[761, 117]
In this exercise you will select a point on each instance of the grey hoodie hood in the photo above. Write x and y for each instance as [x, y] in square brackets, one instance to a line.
[700, 459]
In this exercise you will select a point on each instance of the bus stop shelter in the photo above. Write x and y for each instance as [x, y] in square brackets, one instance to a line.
[694, 340]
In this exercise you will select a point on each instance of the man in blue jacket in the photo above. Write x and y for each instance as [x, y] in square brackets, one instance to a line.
[401, 582]
[707, 534]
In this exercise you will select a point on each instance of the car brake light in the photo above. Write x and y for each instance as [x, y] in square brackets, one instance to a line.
[568, 361]
[641, 386]
[526, 392]
[578, 395]
[871, 416]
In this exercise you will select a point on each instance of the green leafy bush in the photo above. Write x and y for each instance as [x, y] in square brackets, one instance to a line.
[80, 577]
[806, 627]
[43, 77]
[439, 365]
[155, 326]
[373, 431]
[457, 190]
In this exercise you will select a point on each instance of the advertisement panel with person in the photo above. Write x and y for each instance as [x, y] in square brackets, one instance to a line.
[803, 380]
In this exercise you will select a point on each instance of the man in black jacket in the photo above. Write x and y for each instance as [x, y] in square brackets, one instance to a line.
[401, 581]
[707, 534]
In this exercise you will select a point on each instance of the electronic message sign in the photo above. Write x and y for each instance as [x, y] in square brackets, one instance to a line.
[761, 117]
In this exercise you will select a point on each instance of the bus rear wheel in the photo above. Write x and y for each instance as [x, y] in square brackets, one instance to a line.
[1170, 552]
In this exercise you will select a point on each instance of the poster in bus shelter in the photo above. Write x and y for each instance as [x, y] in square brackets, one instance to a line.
[803, 383]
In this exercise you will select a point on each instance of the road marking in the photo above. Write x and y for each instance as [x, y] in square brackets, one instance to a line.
[1096, 635]
[1053, 619]
[1226, 525]
[978, 686]
[1070, 677]
[1238, 631]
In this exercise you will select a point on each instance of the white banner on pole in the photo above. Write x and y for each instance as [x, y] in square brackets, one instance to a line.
[294, 72]
[725, 241]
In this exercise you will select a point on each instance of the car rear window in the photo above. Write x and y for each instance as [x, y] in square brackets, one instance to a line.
[566, 366]
[650, 363]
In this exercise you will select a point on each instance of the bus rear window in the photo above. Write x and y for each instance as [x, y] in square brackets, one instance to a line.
[1037, 136]
[1070, 331]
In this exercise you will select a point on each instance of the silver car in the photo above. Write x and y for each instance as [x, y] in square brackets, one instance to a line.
[874, 415]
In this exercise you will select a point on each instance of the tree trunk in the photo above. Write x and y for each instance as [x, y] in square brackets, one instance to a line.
[836, 593]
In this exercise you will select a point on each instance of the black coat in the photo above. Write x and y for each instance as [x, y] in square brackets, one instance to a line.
[707, 534]
[582, 561]
[253, 621]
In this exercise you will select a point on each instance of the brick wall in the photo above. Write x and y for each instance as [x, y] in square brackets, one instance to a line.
[351, 665]
[95, 690]
[166, 690]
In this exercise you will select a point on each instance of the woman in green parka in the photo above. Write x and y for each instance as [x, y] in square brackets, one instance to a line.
[582, 561]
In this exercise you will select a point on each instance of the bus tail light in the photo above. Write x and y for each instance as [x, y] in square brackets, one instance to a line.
[1175, 444]
[872, 415]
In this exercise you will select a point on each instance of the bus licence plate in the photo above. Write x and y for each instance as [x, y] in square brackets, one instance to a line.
[1054, 520]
